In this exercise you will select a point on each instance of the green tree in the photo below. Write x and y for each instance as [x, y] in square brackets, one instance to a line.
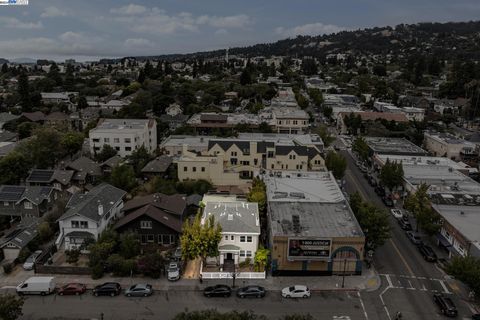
[106, 153]
[14, 168]
[23, 90]
[327, 112]
[216, 315]
[316, 96]
[139, 159]
[200, 240]
[72, 142]
[245, 77]
[336, 163]
[466, 269]
[258, 193]
[326, 136]
[25, 129]
[82, 103]
[54, 74]
[72, 256]
[360, 146]
[151, 264]
[418, 203]
[123, 177]
[301, 100]
[45, 232]
[129, 246]
[391, 174]
[261, 259]
[10, 307]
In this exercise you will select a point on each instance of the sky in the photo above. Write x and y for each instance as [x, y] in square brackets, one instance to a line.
[86, 29]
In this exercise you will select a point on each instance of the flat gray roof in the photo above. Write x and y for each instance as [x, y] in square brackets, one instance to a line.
[236, 216]
[315, 219]
[467, 223]
[384, 145]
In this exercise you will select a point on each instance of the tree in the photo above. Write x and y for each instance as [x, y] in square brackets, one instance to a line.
[327, 112]
[261, 259]
[72, 256]
[10, 307]
[72, 142]
[25, 129]
[316, 96]
[258, 193]
[14, 168]
[129, 246]
[216, 315]
[45, 232]
[245, 77]
[418, 203]
[360, 146]
[106, 153]
[123, 177]
[391, 174]
[380, 70]
[139, 159]
[336, 163]
[69, 77]
[466, 269]
[82, 103]
[151, 265]
[301, 100]
[23, 90]
[200, 239]
[54, 74]
[4, 68]
[323, 132]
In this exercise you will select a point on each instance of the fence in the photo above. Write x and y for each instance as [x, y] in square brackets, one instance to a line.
[39, 268]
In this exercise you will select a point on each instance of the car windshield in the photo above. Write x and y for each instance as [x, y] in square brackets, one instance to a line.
[291, 288]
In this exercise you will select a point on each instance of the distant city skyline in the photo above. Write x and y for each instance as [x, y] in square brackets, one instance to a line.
[87, 30]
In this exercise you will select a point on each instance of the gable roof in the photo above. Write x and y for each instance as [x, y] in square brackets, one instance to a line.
[175, 203]
[87, 205]
[226, 144]
[112, 162]
[48, 176]
[237, 216]
[23, 234]
[57, 116]
[7, 117]
[170, 220]
[36, 116]
[158, 165]
[34, 194]
[284, 150]
[84, 166]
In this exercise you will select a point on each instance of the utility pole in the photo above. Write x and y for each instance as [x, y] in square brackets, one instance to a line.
[344, 271]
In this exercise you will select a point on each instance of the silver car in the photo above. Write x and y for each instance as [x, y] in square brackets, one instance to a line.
[173, 271]
[30, 262]
[297, 291]
[139, 290]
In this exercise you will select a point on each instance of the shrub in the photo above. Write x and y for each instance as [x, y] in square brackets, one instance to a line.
[72, 256]
[245, 263]
[97, 271]
[8, 268]
[23, 255]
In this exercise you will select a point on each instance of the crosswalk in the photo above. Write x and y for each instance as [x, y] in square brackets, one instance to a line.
[416, 283]
[341, 318]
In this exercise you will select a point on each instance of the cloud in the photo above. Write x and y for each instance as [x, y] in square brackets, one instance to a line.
[51, 12]
[221, 32]
[138, 42]
[131, 9]
[237, 21]
[310, 29]
[14, 23]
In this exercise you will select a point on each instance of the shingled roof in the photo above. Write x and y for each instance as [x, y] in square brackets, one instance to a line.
[175, 204]
[170, 220]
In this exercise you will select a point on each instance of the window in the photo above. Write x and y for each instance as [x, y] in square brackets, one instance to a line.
[128, 140]
[292, 157]
[146, 224]
[96, 140]
[143, 239]
[117, 148]
[232, 238]
[185, 169]
[242, 238]
[203, 169]
[116, 140]
[255, 161]
[75, 224]
[295, 122]
[234, 153]
[194, 169]
[245, 163]
[5, 203]
[167, 239]
[128, 148]
[270, 154]
[150, 238]
[249, 238]
[279, 121]
[233, 161]
[249, 253]
[83, 225]
[273, 166]
[242, 253]
[226, 238]
[106, 140]
[27, 205]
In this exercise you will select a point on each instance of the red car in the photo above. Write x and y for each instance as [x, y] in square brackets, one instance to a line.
[72, 289]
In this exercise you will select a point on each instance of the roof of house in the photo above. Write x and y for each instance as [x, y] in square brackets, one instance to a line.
[172, 221]
[368, 115]
[113, 161]
[194, 200]
[6, 148]
[47, 176]
[7, 136]
[57, 116]
[227, 143]
[36, 116]
[34, 194]
[7, 117]
[158, 165]
[284, 150]
[174, 203]
[213, 117]
[235, 216]
[23, 234]
[84, 166]
[87, 205]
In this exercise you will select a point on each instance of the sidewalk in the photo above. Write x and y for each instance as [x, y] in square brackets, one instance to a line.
[369, 281]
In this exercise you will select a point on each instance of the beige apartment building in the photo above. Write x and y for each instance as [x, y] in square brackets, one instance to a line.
[235, 161]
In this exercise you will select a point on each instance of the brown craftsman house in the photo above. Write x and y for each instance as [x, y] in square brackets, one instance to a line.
[155, 219]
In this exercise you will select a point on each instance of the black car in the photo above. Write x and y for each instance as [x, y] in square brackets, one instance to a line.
[387, 201]
[380, 191]
[219, 290]
[427, 253]
[405, 224]
[251, 291]
[107, 289]
[446, 305]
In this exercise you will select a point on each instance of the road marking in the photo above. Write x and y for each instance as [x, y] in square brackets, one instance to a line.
[389, 280]
[341, 318]
[402, 258]
[363, 306]
[411, 287]
[423, 287]
[359, 189]
[445, 290]
[8, 287]
[383, 303]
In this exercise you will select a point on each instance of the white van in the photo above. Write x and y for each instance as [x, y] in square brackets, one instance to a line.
[37, 285]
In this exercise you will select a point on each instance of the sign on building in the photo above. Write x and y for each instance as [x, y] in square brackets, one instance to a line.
[309, 249]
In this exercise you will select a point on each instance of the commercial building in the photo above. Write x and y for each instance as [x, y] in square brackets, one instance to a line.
[232, 161]
[124, 135]
[368, 116]
[312, 229]
[447, 145]
[289, 120]
[393, 146]
[173, 145]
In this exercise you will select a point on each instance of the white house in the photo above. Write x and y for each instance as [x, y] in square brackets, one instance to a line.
[88, 215]
[414, 114]
[174, 109]
[124, 135]
[240, 224]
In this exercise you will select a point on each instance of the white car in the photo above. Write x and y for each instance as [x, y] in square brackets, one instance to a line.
[30, 262]
[396, 213]
[173, 273]
[297, 291]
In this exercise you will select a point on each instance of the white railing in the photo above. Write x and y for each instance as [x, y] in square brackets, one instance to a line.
[229, 275]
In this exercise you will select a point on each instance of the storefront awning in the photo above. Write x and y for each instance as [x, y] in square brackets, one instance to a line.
[228, 247]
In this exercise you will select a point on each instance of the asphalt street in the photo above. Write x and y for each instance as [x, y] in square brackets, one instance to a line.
[165, 305]
[408, 281]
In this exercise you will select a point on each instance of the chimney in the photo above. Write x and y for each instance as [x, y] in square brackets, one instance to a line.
[100, 210]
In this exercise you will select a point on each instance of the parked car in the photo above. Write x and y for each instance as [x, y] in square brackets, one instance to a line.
[476, 316]
[296, 291]
[72, 289]
[107, 289]
[380, 191]
[173, 272]
[414, 237]
[446, 305]
[30, 262]
[396, 213]
[405, 224]
[251, 291]
[220, 290]
[427, 253]
[387, 201]
[139, 290]
[37, 285]
[177, 254]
